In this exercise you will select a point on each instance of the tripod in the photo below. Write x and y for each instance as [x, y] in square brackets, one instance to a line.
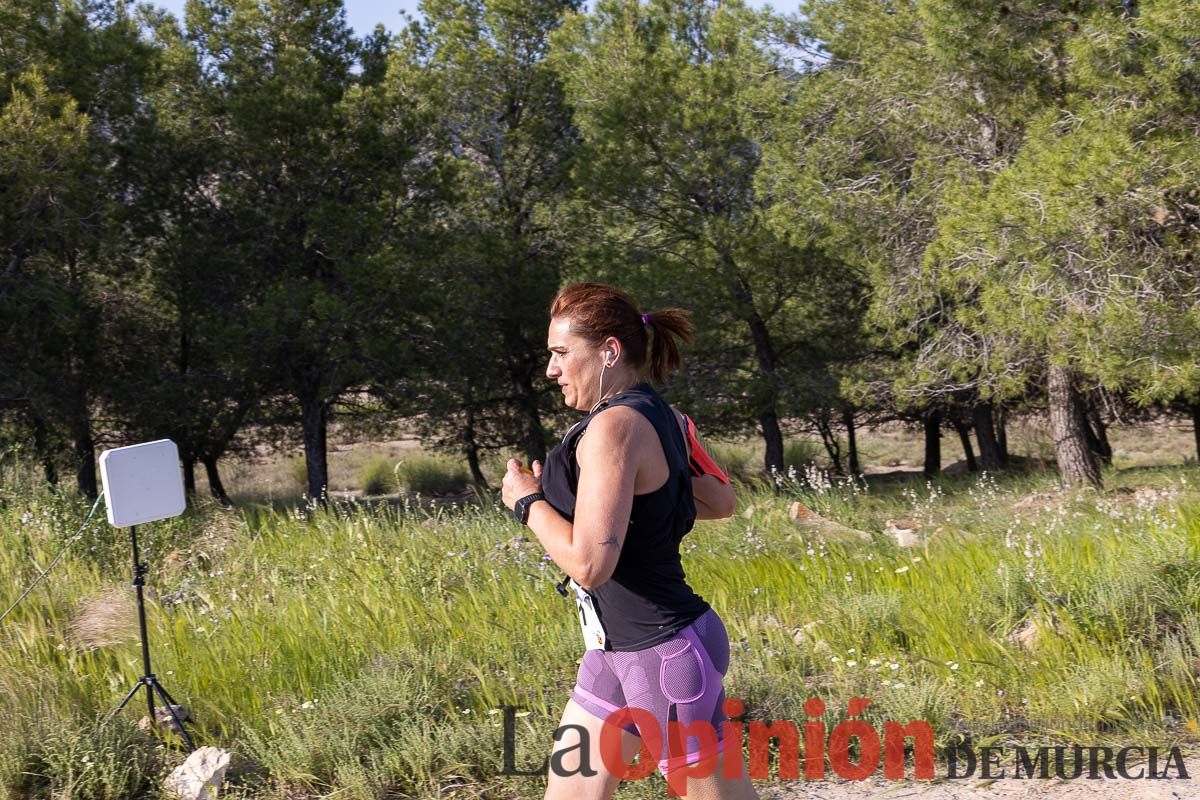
[148, 679]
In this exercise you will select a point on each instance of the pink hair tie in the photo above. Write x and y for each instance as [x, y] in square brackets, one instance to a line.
[645, 320]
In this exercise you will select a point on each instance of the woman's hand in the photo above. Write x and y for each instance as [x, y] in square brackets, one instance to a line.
[520, 481]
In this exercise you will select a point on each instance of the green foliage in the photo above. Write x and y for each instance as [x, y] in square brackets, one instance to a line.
[501, 136]
[1013, 212]
[68, 107]
[255, 220]
[1063, 259]
[111, 763]
[272, 222]
[310, 203]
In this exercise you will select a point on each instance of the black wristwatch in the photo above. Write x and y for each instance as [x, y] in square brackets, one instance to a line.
[521, 509]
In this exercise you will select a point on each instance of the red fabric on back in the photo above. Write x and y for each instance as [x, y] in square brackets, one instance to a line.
[701, 462]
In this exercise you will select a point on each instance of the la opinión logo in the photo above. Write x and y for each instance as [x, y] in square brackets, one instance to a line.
[853, 750]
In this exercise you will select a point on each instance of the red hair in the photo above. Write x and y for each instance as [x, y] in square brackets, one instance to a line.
[597, 311]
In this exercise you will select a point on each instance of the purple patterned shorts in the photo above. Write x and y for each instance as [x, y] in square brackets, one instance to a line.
[677, 680]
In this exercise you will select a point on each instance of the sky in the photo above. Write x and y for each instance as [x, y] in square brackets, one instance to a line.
[364, 14]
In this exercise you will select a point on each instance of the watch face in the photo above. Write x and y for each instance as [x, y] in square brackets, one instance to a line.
[521, 509]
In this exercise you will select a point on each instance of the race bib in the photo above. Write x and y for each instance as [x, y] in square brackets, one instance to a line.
[594, 637]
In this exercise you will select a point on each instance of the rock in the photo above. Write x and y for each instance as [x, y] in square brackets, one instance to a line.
[1026, 636]
[1029, 634]
[804, 635]
[163, 718]
[200, 776]
[811, 522]
[906, 532]
[800, 512]
[957, 468]
[1036, 500]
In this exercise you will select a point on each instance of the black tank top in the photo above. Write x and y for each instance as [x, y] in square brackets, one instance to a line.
[647, 600]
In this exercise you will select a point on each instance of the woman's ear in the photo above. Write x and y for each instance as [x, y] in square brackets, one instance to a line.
[612, 351]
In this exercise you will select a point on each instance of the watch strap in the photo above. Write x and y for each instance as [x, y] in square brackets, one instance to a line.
[521, 508]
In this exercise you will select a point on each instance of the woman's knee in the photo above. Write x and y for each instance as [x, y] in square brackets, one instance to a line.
[578, 770]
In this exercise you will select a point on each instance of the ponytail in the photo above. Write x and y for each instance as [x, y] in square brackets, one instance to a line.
[669, 327]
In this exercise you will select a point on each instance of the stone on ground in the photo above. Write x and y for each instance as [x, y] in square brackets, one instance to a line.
[811, 522]
[200, 776]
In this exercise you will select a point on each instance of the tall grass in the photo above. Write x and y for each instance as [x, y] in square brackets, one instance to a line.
[368, 652]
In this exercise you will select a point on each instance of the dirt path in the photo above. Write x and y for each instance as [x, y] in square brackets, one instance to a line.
[1002, 789]
[964, 790]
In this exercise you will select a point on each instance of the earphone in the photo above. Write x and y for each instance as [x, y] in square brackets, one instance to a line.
[609, 353]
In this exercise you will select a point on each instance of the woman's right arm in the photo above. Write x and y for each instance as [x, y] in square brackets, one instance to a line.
[715, 499]
[711, 489]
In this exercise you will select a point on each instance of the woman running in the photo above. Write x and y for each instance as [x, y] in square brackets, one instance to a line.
[611, 506]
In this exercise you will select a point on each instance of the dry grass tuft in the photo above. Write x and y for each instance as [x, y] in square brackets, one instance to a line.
[105, 619]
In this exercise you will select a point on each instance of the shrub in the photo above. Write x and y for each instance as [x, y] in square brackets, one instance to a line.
[432, 474]
[378, 476]
[799, 453]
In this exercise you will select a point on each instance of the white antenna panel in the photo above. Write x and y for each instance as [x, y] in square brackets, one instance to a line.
[142, 483]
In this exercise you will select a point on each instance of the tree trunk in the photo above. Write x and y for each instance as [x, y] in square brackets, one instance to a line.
[215, 487]
[41, 446]
[768, 422]
[1196, 428]
[1076, 462]
[1002, 434]
[768, 415]
[187, 450]
[985, 434]
[964, 436]
[471, 448]
[933, 442]
[85, 449]
[851, 441]
[189, 474]
[314, 417]
[829, 439]
[764, 352]
[84, 444]
[1099, 437]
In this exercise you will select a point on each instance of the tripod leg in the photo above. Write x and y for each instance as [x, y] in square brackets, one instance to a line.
[162, 692]
[175, 717]
[125, 702]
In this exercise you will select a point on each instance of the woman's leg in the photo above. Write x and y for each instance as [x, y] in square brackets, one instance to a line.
[572, 784]
[716, 787]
